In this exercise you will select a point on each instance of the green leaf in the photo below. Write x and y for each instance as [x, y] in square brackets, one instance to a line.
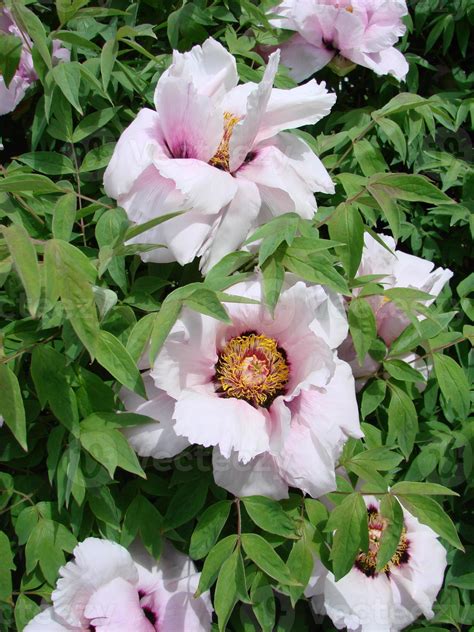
[70, 273]
[68, 78]
[97, 158]
[19, 183]
[402, 420]
[213, 562]
[401, 103]
[64, 216]
[400, 370]
[453, 383]
[107, 60]
[349, 521]
[372, 396]
[346, 226]
[52, 382]
[164, 322]
[269, 516]
[10, 54]
[26, 264]
[45, 547]
[230, 587]
[362, 326]
[395, 136]
[388, 205]
[369, 157]
[91, 123]
[110, 448]
[25, 610]
[263, 555]
[300, 563]
[263, 600]
[11, 405]
[413, 188]
[6, 567]
[114, 357]
[144, 519]
[317, 270]
[186, 503]
[421, 489]
[30, 23]
[208, 529]
[206, 302]
[48, 162]
[429, 512]
[391, 510]
[273, 277]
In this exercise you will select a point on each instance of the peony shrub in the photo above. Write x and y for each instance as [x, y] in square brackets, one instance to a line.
[235, 316]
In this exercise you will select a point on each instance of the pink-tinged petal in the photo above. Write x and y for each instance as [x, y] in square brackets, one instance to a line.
[189, 355]
[259, 476]
[133, 153]
[158, 440]
[237, 222]
[48, 621]
[232, 424]
[96, 563]
[419, 588]
[211, 68]
[302, 58]
[348, 31]
[10, 97]
[391, 321]
[386, 62]
[330, 320]
[192, 125]
[384, 23]
[245, 132]
[315, 21]
[235, 101]
[304, 463]
[335, 406]
[360, 603]
[279, 184]
[60, 54]
[205, 188]
[289, 109]
[115, 607]
[304, 162]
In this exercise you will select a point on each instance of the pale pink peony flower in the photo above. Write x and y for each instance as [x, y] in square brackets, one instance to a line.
[369, 601]
[107, 589]
[25, 74]
[342, 31]
[216, 150]
[400, 270]
[269, 394]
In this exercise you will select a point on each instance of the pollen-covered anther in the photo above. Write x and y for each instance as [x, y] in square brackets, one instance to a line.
[221, 158]
[252, 367]
[367, 562]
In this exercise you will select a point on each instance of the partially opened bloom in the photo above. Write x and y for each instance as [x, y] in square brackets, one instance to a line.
[366, 600]
[268, 393]
[399, 270]
[342, 31]
[25, 75]
[217, 151]
[106, 589]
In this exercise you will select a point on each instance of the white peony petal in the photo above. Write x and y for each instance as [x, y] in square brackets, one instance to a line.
[96, 562]
[48, 621]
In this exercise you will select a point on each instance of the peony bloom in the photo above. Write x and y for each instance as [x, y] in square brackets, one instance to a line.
[342, 31]
[105, 589]
[369, 601]
[269, 394]
[216, 150]
[25, 74]
[400, 270]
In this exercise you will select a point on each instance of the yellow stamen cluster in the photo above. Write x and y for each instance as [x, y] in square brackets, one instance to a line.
[221, 158]
[252, 367]
[367, 562]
